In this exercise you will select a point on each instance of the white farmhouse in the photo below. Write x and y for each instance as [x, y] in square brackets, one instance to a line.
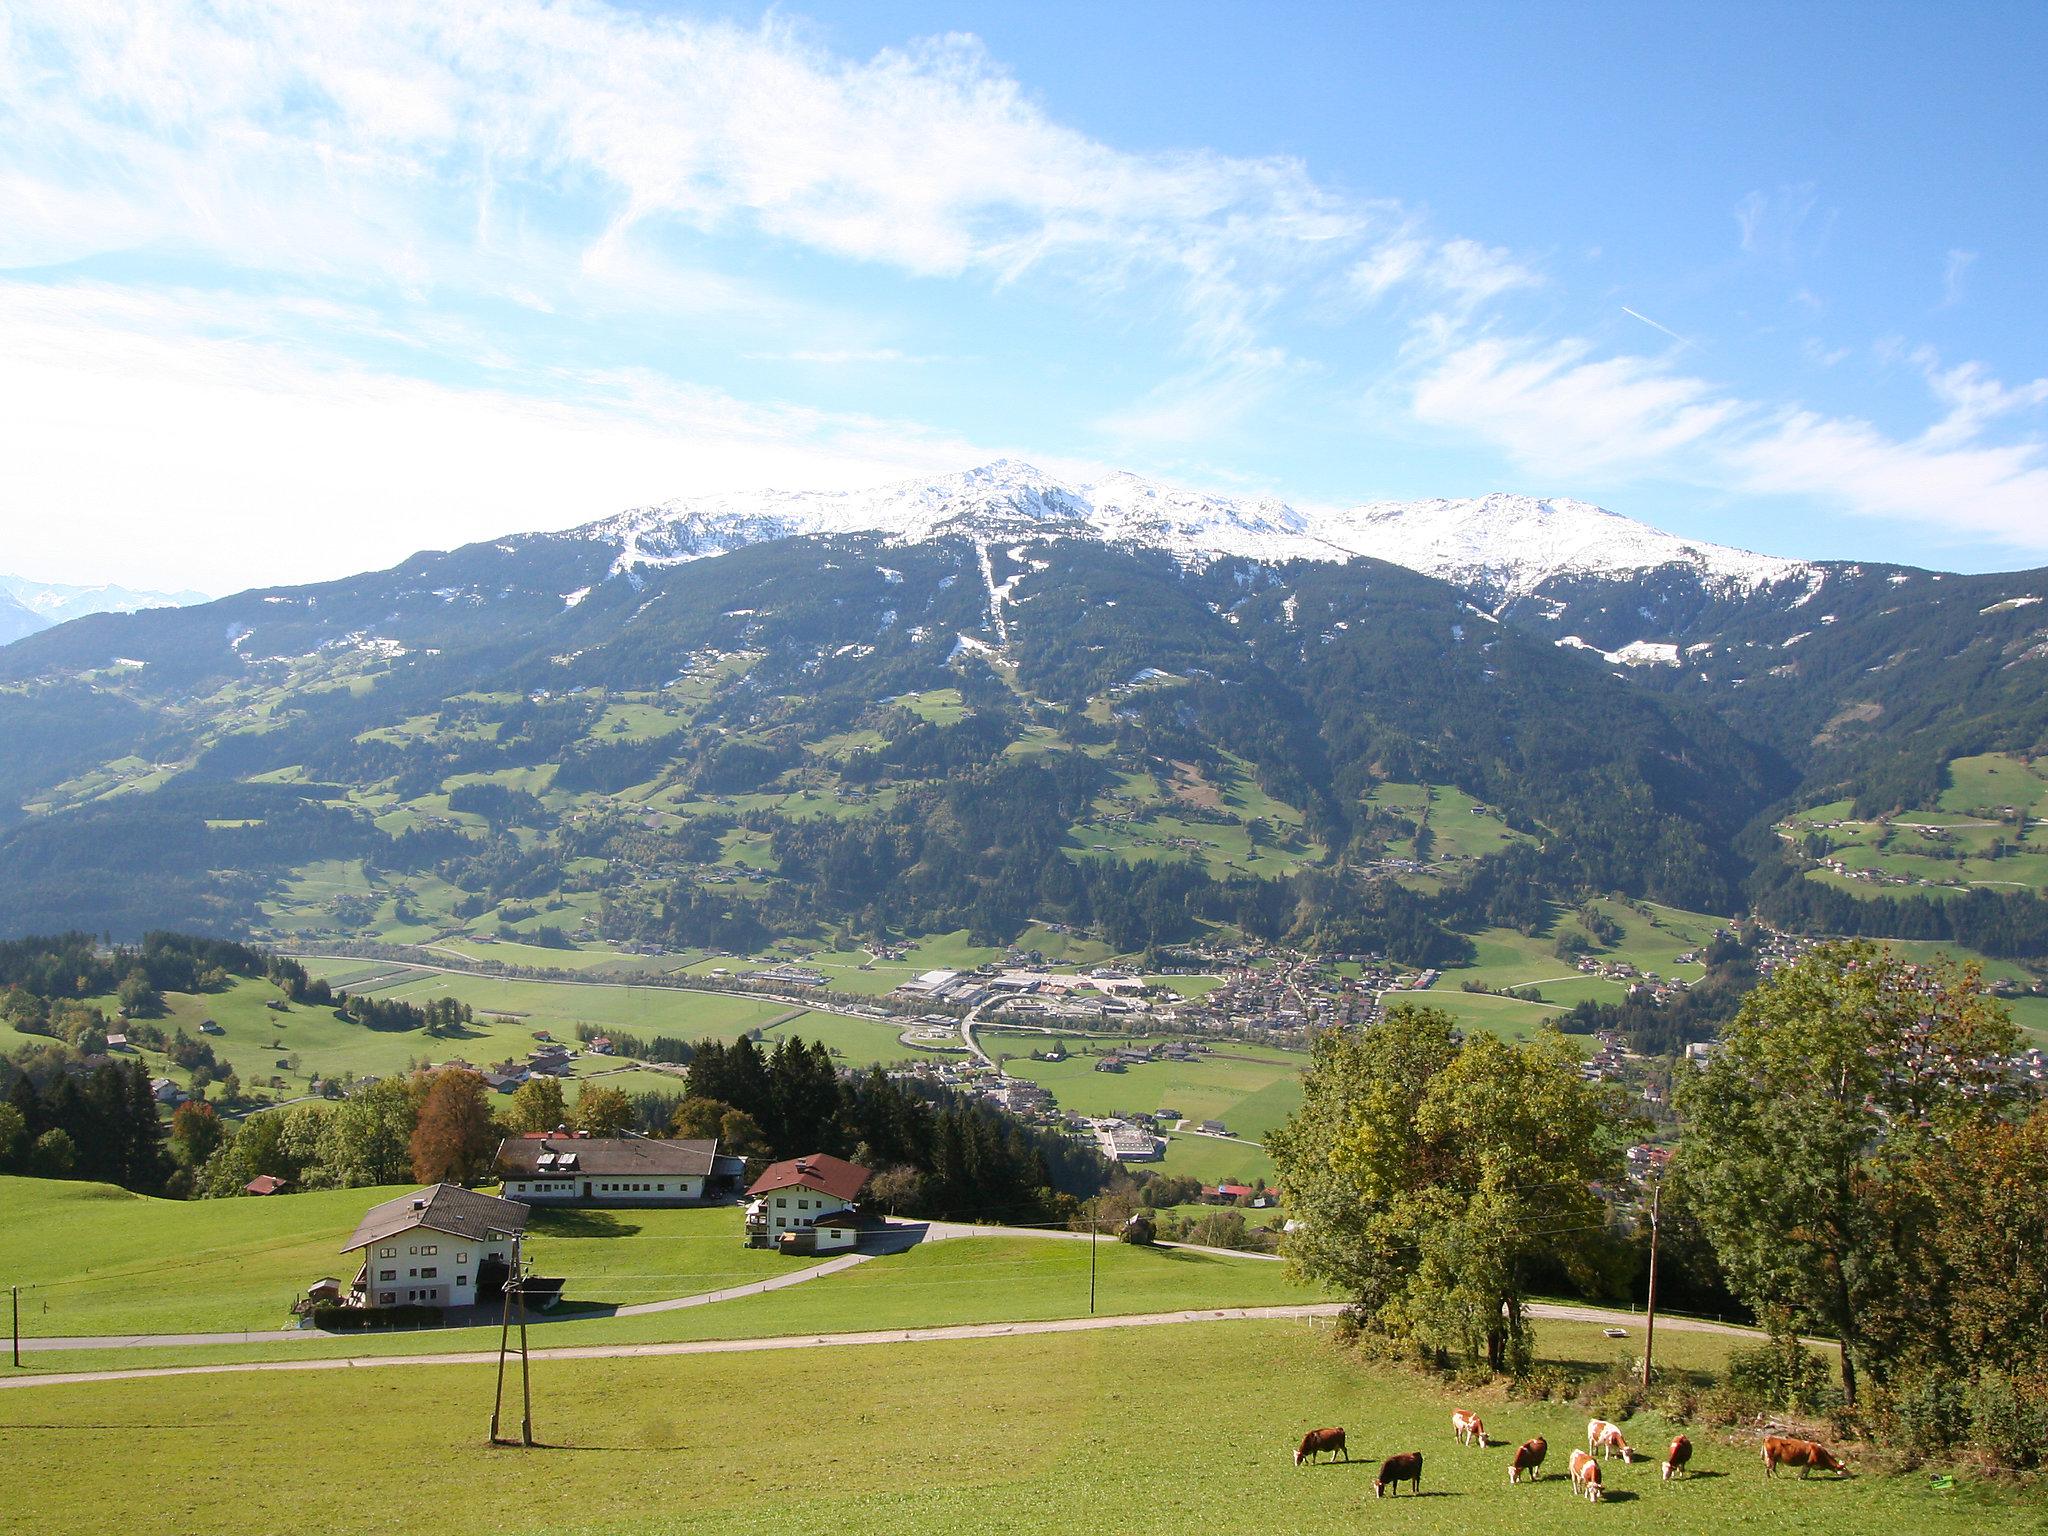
[561, 1168]
[808, 1201]
[439, 1247]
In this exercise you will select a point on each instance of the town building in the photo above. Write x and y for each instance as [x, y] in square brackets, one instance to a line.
[813, 1196]
[440, 1247]
[564, 1168]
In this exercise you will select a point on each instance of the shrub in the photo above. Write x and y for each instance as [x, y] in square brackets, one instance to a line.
[2008, 1419]
[1782, 1374]
[1926, 1414]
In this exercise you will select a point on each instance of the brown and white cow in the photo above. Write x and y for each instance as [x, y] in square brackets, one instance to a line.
[1396, 1470]
[1806, 1455]
[1677, 1459]
[1586, 1476]
[1317, 1441]
[1468, 1427]
[1528, 1458]
[1604, 1437]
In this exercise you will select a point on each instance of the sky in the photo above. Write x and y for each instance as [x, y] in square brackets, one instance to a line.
[289, 291]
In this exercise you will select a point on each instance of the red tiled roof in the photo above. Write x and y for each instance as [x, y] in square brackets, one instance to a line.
[264, 1184]
[830, 1175]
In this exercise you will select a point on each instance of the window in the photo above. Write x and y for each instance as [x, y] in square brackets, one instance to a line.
[428, 1250]
[387, 1253]
[803, 1205]
[463, 1257]
[412, 1274]
[462, 1279]
[387, 1274]
[780, 1202]
[386, 1298]
[429, 1273]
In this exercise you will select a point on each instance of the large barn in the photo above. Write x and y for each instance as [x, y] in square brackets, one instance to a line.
[562, 1168]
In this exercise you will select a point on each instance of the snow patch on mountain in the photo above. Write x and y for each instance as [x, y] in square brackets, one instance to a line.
[1512, 545]
[1504, 545]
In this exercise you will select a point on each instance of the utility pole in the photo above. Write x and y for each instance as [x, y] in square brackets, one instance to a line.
[525, 1378]
[1094, 1231]
[504, 1337]
[14, 1293]
[1650, 1300]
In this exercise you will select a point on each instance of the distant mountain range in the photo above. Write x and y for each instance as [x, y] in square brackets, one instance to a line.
[641, 719]
[27, 606]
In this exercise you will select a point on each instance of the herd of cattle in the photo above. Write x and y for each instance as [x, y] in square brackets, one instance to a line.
[1602, 1441]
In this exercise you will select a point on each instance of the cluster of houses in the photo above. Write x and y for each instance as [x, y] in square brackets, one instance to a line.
[1123, 1057]
[448, 1247]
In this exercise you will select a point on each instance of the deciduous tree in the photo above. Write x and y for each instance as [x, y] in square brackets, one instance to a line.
[1802, 1131]
[454, 1138]
[537, 1104]
[602, 1110]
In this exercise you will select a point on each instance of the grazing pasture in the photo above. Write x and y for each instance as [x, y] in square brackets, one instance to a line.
[1158, 1430]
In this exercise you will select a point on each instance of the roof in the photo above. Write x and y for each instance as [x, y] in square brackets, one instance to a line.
[264, 1184]
[829, 1175]
[445, 1208]
[635, 1157]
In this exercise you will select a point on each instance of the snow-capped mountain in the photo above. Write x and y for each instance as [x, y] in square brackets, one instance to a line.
[1504, 545]
[1513, 545]
[27, 606]
[1003, 500]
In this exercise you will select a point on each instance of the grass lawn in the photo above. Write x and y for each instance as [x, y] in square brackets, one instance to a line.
[1505, 1016]
[94, 1259]
[852, 1042]
[1167, 1430]
[636, 1256]
[1215, 1160]
[1249, 1096]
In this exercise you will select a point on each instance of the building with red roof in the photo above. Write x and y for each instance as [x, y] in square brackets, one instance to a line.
[813, 1196]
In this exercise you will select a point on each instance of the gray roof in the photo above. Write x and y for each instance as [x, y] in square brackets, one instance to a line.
[445, 1208]
[607, 1157]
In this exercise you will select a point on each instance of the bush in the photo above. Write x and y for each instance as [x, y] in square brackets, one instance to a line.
[2008, 1419]
[1927, 1415]
[1782, 1374]
[339, 1319]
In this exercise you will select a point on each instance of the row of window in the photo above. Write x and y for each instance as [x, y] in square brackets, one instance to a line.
[422, 1250]
[802, 1205]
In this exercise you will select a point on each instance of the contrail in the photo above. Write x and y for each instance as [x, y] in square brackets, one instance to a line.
[1683, 341]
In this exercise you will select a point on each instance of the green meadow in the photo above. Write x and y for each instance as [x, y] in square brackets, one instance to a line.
[1155, 1430]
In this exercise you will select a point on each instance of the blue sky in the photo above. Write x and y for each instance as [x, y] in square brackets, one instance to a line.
[291, 291]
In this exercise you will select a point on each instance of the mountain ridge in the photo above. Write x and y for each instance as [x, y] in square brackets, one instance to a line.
[1504, 543]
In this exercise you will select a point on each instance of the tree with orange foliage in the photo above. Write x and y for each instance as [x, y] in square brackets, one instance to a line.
[455, 1138]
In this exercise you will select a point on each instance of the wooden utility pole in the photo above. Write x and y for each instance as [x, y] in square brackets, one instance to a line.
[1650, 1300]
[14, 1293]
[525, 1377]
[504, 1337]
[1094, 1231]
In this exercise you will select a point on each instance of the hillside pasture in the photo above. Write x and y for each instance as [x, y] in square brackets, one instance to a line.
[1078, 1432]
[1249, 1091]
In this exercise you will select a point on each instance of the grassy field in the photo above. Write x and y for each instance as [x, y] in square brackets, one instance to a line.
[94, 1259]
[1249, 1091]
[1166, 1430]
[255, 1039]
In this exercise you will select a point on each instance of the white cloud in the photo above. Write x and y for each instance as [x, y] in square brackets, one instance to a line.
[1557, 409]
[1953, 271]
[147, 446]
[1999, 492]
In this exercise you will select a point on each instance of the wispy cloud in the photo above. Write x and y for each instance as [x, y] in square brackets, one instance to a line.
[1557, 409]
[1953, 272]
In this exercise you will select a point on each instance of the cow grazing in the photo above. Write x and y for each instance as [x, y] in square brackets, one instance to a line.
[1396, 1470]
[1317, 1441]
[1677, 1458]
[1604, 1437]
[1806, 1455]
[1586, 1476]
[1468, 1428]
[1528, 1458]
